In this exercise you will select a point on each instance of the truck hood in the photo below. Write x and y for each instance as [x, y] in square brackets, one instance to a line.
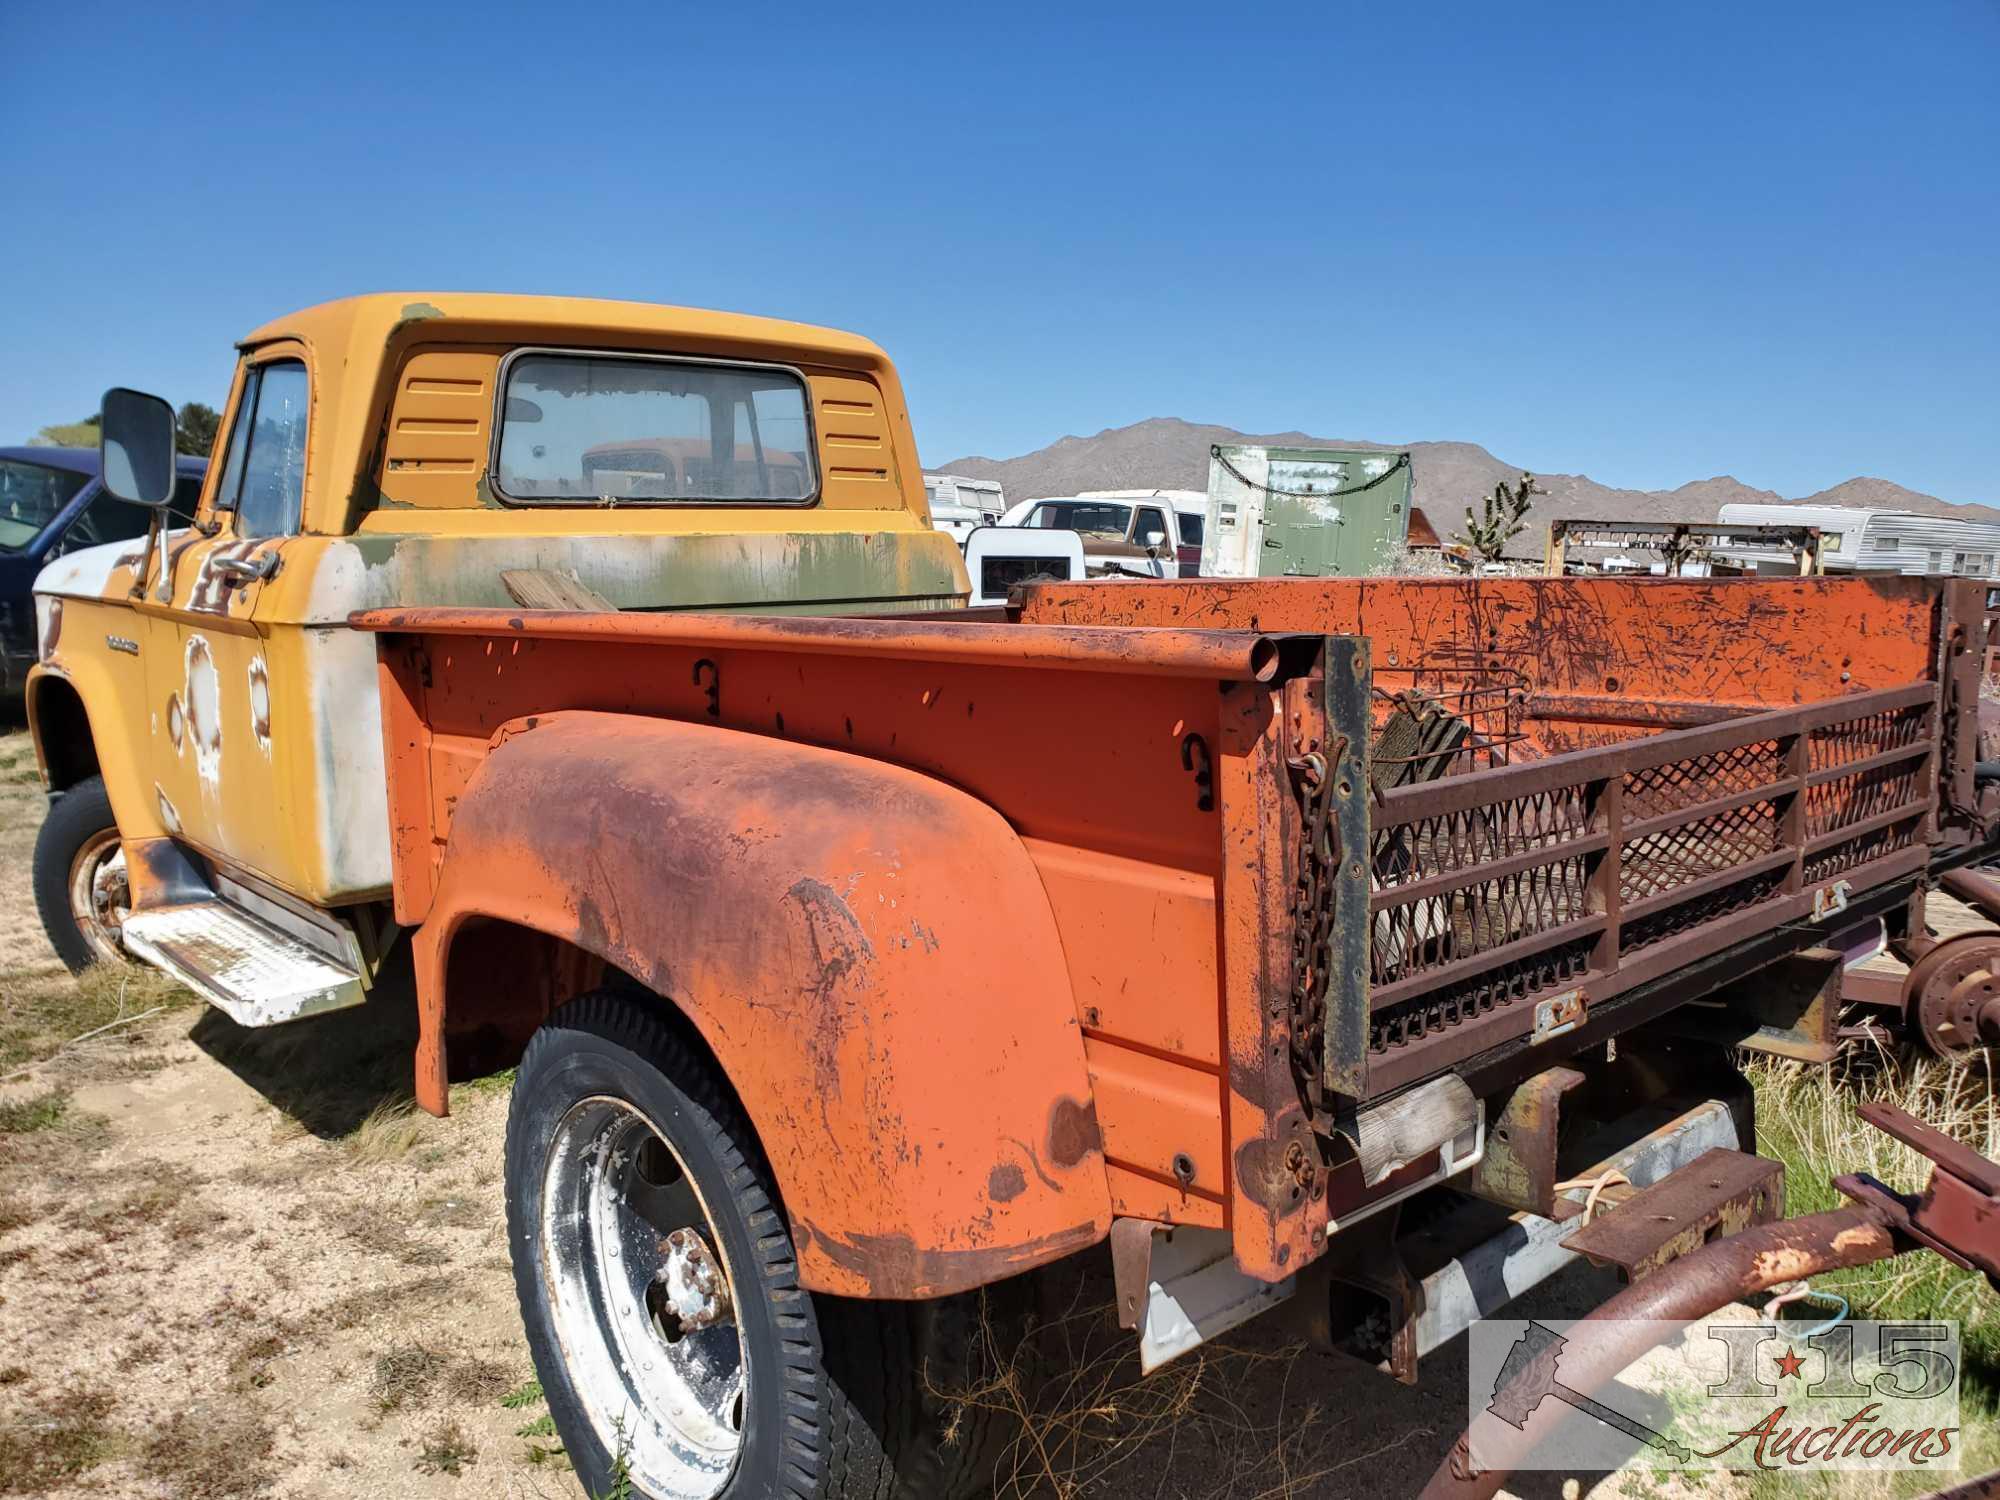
[86, 573]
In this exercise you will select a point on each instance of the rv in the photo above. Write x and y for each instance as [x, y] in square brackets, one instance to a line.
[958, 504]
[1875, 541]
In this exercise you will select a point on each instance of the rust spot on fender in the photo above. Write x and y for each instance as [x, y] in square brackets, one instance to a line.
[203, 702]
[1005, 1183]
[176, 721]
[1073, 1132]
[52, 629]
[838, 944]
[836, 947]
[260, 703]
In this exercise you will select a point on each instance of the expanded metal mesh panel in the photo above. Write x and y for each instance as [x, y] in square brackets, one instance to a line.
[1477, 836]
[1661, 862]
[1457, 1001]
[1432, 931]
[1642, 932]
[1832, 863]
[1853, 799]
[1654, 791]
[1871, 734]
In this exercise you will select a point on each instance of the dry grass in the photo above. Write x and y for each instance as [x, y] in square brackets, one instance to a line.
[390, 1132]
[405, 1375]
[88, 1018]
[1805, 1117]
[1084, 1421]
[447, 1448]
[216, 1450]
[43, 1111]
[57, 1439]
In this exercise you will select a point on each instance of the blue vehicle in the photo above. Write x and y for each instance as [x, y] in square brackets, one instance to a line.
[52, 502]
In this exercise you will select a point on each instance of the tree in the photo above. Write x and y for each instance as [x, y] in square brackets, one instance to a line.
[70, 434]
[1505, 515]
[195, 429]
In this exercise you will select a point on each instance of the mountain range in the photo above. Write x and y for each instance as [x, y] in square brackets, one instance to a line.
[1168, 453]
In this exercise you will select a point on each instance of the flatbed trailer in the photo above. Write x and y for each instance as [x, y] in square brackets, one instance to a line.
[1273, 932]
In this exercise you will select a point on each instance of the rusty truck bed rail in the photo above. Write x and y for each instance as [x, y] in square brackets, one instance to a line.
[1601, 869]
[1226, 655]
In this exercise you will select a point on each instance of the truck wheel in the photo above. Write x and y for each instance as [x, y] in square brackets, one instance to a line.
[660, 1291]
[80, 884]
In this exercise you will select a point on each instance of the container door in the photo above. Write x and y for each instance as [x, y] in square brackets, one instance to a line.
[1302, 519]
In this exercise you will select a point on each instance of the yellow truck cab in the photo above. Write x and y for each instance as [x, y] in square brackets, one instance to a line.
[209, 724]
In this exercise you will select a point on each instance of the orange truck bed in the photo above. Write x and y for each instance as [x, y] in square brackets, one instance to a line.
[1124, 906]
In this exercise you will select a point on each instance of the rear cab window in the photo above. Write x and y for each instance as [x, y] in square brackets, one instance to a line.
[1092, 517]
[584, 429]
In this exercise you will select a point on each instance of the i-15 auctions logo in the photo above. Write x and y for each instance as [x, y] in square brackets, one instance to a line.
[1725, 1394]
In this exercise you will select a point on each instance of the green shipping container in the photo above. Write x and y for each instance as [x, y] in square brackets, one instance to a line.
[1304, 512]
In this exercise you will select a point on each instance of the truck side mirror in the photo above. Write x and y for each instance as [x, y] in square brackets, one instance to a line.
[136, 448]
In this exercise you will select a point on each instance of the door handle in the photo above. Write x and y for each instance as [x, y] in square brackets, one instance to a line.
[246, 570]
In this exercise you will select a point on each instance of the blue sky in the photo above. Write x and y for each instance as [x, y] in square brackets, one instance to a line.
[1651, 243]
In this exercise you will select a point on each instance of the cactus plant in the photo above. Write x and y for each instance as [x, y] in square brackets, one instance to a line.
[1505, 518]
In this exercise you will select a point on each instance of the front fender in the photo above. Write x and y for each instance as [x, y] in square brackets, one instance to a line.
[868, 952]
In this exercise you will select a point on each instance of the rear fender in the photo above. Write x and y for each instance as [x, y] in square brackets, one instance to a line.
[868, 952]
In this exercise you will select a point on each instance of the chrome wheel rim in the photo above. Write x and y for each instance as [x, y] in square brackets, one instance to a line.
[643, 1301]
[100, 897]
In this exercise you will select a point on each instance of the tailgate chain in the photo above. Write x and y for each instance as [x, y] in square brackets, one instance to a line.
[1313, 899]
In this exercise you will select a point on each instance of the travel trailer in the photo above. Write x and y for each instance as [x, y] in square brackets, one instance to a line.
[958, 504]
[1854, 540]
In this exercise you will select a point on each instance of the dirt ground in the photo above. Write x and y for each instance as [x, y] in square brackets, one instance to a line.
[236, 1263]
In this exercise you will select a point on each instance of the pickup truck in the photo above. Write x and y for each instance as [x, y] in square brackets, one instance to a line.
[1275, 935]
[204, 687]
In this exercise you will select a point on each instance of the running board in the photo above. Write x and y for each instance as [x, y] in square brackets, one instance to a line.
[243, 966]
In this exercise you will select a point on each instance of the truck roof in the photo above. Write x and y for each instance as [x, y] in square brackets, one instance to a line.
[378, 316]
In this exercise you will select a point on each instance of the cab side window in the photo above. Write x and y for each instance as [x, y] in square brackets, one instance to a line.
[1150, 529]
[263, 477]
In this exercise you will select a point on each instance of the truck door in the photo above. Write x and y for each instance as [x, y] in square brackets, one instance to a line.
[1155, 539]
[214, 690]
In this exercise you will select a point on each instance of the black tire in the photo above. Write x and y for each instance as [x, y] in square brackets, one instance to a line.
[834, 1409]
[75, 818]
[900, 1364]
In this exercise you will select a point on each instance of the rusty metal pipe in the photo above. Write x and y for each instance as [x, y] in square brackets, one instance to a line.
[1693, 1286]
[1976, 889]
[1225, 655]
